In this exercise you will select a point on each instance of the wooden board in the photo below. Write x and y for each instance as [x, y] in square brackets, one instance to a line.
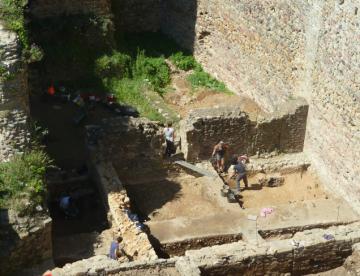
[195, 168]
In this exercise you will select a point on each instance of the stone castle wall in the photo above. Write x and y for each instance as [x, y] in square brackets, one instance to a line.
[282, 131]
[333, 137]
[255, 47]
[14, 98]
[137, 15]
[53, 8]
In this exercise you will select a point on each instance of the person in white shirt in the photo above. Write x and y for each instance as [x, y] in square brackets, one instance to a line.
[169, 134]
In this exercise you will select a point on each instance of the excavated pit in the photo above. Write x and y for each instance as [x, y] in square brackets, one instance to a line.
[186, 211]
[84, 234]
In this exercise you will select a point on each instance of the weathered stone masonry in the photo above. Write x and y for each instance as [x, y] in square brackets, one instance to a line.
[333, 136]
[24, 241]
[14, 99]
[275, 50]
[314, 254]
[46, 8]
[282, 131]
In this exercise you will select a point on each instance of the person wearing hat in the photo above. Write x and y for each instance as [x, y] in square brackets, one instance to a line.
[239, 170]
[219, 154]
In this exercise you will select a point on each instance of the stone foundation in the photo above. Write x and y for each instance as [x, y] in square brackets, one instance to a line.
[136, 243]
[24, 241]
[307, 252]
[131, 144]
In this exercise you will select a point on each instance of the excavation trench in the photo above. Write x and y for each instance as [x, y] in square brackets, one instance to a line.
[77, 235]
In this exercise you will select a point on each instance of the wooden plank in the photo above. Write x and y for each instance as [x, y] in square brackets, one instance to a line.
[195, 168]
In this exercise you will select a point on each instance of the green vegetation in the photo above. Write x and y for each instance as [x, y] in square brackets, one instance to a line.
[4, 73]
[153, 70]
[199, 78]
[114, 65]
[130, 77]
[12, 12]
[183, 62]
[22, 184]
[132, 92]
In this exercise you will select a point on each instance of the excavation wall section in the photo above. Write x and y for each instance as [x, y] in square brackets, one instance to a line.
[24, 241]
[312, 253]
[131, 144]
[282, 131]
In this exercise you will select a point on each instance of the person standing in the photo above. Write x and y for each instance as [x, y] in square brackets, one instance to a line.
[219, 154]
[239, 170]
[169, 134]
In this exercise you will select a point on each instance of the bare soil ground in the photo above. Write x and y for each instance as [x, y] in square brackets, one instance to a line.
[297, 187]
[179, 194]
[183, 98]
[184, 195]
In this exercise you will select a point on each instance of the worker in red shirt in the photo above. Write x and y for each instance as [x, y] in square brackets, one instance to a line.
[51, 90]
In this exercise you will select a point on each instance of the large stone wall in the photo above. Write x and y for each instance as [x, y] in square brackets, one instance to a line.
[14, 98]
[282, 131]
[255, 47]
[137, 15]
[333, 136]
[46, 8]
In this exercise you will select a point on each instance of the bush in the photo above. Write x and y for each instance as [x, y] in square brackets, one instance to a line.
[199, 78]
[11, 11]
[154, 70]
[115, 65]
[22, 181]
[183, 62]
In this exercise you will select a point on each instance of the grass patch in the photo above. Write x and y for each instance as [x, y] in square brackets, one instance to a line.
[183, 61]
[129, 77]
[153, 70]
[131, 91]
[22, 185]
[200, 78]
[115, 65]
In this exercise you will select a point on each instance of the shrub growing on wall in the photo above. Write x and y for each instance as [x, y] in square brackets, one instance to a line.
[22, 185]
